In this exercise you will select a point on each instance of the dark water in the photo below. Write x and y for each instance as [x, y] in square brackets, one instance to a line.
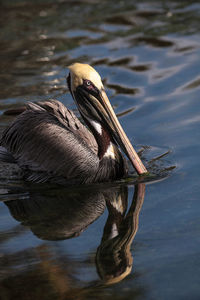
[82, 243]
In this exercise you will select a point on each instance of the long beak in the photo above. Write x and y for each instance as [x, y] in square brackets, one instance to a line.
[121, 137]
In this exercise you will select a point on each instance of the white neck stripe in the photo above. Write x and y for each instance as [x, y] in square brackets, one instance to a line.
[96, 126]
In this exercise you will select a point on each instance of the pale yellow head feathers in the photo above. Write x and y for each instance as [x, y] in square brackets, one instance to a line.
[79, 72]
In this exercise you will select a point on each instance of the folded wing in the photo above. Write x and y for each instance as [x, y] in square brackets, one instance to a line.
[49, 142]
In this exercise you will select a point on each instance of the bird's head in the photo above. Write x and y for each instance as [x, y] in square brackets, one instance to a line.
[89, 94]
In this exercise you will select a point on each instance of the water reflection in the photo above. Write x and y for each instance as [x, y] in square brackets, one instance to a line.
[147, 53]
[113, 258]
[58, 214]
[62, 214]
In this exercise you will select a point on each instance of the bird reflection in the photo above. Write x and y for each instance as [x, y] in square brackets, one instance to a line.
[58, 214]
[66, 213]
[113, 258]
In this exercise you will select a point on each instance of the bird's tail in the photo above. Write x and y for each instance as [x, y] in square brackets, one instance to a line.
[15, 111]
[6, 156]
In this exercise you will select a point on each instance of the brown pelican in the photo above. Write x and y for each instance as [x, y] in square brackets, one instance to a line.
[50, 144]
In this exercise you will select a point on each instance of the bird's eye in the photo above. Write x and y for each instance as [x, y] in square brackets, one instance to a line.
[90, 87]
[88, 82]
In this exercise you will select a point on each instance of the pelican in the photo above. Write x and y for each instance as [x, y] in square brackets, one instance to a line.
[50, 144]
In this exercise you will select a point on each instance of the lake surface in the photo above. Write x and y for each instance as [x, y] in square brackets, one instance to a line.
[81, 243]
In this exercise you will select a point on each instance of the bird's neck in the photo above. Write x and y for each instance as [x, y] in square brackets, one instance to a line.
[112, 164]
[106, 144]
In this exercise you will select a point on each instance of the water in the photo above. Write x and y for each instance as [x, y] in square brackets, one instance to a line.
[82, 243]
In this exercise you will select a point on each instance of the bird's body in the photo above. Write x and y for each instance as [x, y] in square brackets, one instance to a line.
[50, 144]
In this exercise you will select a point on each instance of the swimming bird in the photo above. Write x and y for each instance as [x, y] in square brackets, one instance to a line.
[50, 144]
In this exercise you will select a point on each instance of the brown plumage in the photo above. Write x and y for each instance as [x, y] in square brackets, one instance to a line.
[50, 144]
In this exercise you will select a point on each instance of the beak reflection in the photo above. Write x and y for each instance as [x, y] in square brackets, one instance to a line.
[113, 258]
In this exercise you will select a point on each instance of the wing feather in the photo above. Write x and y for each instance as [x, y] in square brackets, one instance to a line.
[48, 141]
